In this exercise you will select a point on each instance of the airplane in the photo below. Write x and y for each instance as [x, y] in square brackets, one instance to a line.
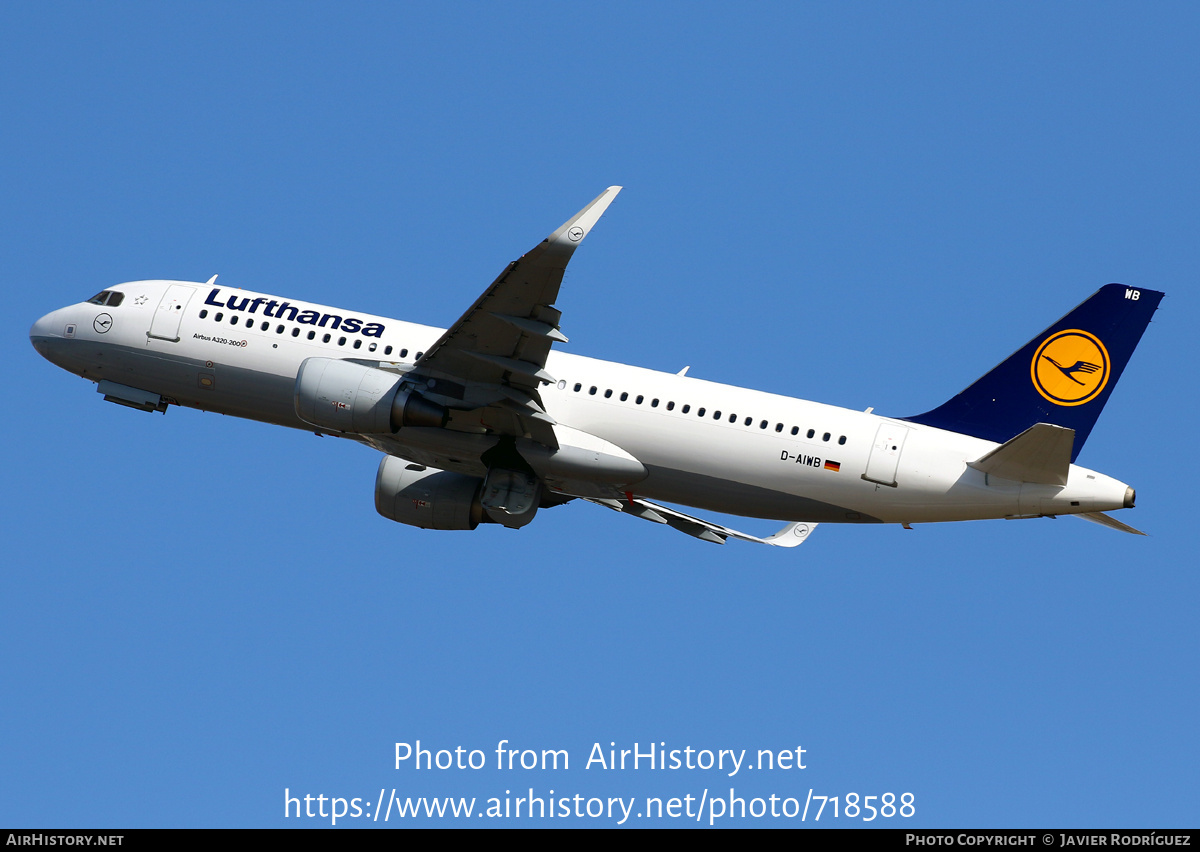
[488, 421]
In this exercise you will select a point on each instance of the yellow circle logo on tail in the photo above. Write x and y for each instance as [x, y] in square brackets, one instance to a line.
[1070, 367]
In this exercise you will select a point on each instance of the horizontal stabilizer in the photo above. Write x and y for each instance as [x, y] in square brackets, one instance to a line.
[1041, 454]
[790, 536]
[1105, 521]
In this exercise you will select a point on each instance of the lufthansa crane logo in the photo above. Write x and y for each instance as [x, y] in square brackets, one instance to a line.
[1070, 367]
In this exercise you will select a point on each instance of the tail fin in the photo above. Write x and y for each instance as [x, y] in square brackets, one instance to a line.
[1063, 376]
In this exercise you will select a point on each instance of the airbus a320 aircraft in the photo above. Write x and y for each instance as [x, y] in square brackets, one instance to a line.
[485, 422]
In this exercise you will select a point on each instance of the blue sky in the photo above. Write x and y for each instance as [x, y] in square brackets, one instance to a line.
[867, 205]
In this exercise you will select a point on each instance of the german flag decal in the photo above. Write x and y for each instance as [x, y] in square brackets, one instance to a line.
[832, 465]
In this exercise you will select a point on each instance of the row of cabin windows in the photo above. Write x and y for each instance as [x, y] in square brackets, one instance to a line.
[702, 412]
[279, 329]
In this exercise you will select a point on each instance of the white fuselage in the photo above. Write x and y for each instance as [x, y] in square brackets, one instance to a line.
[703, 444]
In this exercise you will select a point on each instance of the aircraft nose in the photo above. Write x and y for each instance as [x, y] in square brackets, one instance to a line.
[41, 331]
[47, 332]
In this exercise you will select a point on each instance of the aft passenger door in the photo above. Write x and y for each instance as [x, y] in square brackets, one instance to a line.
[885, 453]
[165, 324]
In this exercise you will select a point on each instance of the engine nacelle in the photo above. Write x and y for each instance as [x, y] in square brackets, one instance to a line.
[346, 397]
[427, 497]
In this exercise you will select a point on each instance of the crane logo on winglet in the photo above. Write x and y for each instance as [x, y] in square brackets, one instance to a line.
[1071, 367]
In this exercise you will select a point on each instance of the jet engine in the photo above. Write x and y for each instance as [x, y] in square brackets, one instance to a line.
[427, 497]
[441, 500]
[343, 396]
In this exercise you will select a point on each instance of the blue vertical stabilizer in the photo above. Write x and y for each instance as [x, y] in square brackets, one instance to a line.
[1062, 377]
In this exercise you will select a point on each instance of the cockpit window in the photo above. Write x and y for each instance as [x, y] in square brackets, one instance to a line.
[107, 297]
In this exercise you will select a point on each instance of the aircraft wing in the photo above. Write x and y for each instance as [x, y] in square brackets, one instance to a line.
[792, 535]
[493, 359]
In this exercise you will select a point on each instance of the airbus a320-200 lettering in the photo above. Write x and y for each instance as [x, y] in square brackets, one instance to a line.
[488, 422]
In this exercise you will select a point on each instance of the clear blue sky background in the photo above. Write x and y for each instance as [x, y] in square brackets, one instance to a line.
[865, 204]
